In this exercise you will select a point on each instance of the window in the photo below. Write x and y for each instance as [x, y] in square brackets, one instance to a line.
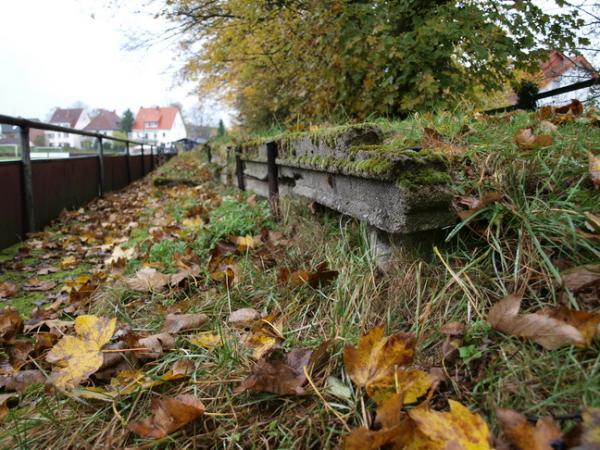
[154, 135]
[66, 135]
[164, 134]
[151, 124]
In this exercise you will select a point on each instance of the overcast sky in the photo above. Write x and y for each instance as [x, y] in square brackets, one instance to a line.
[59, 52]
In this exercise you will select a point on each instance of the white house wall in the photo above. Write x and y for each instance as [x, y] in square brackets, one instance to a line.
[573, 75]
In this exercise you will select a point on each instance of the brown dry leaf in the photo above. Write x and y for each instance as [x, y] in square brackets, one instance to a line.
[184, 274]
[561, 114]
[279, 373]
[68, 262]
[19, 381]
[458, 428]
[411, 383]
[156, 345]
[8, 289]
[550, 333]
[265, 334]
[474, 205]
[245, 243]
[183, 368]
[525, 436]
[35, 284]
[169, 414]
[11, 323]
[581, 277]
[129, 381]
[587, 323]
[206, 340]
[148, 279]
[120, 256]
[4, 398]
[433, 139]
[527, 140]
[453, 329]
[18, 352]
[243, 316]
[320, 275]
[590, 436]
[77, 357]
[45, 270]
[395, 438]
[174, 323]
[594, 162]
[389, 411]
[377, 355]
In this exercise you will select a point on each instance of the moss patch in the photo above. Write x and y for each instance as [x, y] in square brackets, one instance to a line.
[424, 176]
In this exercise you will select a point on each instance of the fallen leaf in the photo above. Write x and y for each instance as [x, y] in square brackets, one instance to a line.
[474, 204]
[11, 323]
[320, 275]
[184, 274]
[587, 323]
[524, 436]
[45, 270]
[156, 345]
[175, 323]
[547, 126]
[77, 357]
[590, 436]
[279, 373]
[68, 262]
[183, 368]
[245, 243]
[364, 439]
[411, 383]
[21, 380]
[120, 256]
[581, 277]
[169, 414]
[243, 316]
[527, 140]
[266, 334]
[377, 355]
[458, 428]
[453, 329]
[8, 289]
[433, 139]
[206, 340]
[148, 279]
[35, 284]
[4, 398]
[594, 162]
[548, 332]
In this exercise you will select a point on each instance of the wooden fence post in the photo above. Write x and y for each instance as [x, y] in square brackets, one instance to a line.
[101, 165]
[239, 169]
[27, 180]
[273, 179]
[151, 158]
[208, 153]
[128, 163]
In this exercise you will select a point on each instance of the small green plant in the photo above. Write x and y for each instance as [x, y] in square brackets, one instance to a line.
[162, 252]
[236, 218]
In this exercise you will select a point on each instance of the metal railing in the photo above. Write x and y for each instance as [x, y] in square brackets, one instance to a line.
[561, 90]
[24, 127]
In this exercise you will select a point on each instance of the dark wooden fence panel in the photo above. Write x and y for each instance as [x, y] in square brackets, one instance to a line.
[136, 167]
[115, 172]
[63, 183]
[148, 162]
[11, 210]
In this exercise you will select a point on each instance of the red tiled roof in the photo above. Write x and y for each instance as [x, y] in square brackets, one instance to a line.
[104, 120]
[70, 116]
[165, 117]
[558, 63]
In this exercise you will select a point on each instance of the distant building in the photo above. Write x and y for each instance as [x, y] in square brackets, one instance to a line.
[71, 118]
[158, 125]
[104, 122]
[560, 70]
[11, 135]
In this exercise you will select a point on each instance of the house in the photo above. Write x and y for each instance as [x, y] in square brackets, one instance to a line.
[104, 122]
[158, 125]
[560, 70]
[11, 135]
[76, 118]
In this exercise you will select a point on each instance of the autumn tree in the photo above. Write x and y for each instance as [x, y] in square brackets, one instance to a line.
[318, 60]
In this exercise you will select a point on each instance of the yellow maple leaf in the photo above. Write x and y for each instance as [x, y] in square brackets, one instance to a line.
[412, 383]
[458, 428]
[206, 340]
[376, 355]
[77, 357]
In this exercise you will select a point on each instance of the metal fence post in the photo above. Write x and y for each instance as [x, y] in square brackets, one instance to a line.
[143, 165]
[101, 165]
[151, 158]
[27, 180]
[273, 178]
[239, 169]
[128, 163]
